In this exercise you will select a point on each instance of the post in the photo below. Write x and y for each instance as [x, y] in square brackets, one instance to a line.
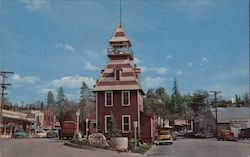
[135, 133]
[87, 128]
[77, 121]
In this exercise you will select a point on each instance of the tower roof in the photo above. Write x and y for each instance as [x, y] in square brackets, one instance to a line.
[120, 37]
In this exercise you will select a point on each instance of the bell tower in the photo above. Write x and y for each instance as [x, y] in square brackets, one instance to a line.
[120, 45]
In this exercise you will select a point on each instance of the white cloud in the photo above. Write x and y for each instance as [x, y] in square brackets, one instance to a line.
[150, 82]
[169, 56]
[72, 82]
[68, 47]
[19, 80]
[35, 4]
[162, 70]
[90, 67]
[179, 72]
[190, 64]
[136, 60]
[45, 90]
[159, 70]
[204, 60]
[144, 69]
[65, 46]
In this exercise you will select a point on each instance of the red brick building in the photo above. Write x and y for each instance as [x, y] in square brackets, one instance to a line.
[49, 119]
[118, 90]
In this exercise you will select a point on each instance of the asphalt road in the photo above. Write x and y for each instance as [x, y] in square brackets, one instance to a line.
[48, 148]
[202, 148]
[180, 148]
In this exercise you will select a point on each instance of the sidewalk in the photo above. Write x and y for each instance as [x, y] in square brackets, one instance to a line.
[246, 141]
[5, 136]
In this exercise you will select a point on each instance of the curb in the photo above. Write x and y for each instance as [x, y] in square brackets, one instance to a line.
[79, 146]
[150, 150]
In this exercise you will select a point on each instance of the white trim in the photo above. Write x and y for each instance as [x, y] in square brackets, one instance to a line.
[105, 99]
[96, 95]
[128, 98]
[138, 113]
[105, 123]
[129, 120]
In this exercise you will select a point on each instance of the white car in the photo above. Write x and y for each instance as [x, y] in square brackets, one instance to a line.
[41, 134]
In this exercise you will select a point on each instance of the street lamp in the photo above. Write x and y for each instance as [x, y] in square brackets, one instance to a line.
[87, 129]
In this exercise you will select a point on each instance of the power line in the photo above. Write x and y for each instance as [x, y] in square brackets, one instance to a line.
[216, 112]
[4, 86]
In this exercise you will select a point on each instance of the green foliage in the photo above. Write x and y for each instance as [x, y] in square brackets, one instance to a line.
[176, 99]
[61, 97]
[141, 149]
[50, 99]
[85, 93]
[113, 130]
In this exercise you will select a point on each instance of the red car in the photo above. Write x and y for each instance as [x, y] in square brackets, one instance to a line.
[67, 130]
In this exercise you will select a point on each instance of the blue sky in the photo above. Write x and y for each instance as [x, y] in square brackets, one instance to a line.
[48, 44]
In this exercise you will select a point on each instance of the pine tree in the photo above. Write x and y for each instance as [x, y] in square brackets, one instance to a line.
[61, 99]
[50, 100]
[85, 93]
[176, 99]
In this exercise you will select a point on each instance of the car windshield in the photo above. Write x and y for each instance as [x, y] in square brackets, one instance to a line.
[164, 133]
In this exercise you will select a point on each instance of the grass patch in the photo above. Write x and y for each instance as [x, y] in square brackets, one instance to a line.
[141, 149]
[80, 142]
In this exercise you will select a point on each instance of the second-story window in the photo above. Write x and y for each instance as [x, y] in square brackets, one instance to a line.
[109, 98]
[117, 74]
[125, 98]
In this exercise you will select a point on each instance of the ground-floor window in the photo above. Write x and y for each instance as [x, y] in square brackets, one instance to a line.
[107, 123]
[126, 123]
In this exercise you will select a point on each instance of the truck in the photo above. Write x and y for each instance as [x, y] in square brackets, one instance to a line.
[67, 130]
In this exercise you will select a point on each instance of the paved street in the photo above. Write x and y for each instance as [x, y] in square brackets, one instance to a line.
[202, 148]
[47, 148]
[180, 148]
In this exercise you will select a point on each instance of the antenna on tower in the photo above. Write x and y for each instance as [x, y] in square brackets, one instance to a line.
[120, 12]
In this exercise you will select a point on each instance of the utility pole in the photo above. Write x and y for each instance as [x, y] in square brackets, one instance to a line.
[216, 112]
[4, 87]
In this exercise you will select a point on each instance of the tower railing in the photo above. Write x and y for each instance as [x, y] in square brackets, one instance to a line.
[121, 51]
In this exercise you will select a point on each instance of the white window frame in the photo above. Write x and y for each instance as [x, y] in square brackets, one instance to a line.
[128, 98]
[105, 122]
[129, 120]
[106, 98]
[119, 74]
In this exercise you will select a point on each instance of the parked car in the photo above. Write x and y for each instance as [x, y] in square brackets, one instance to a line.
[67, 130]
[164, 137]
[53, 133]
[20, 134]
[41, 134]
[189, 134]
[205, 135]
[226, 135]
[181, 133]
[174, 135]
[244, 133]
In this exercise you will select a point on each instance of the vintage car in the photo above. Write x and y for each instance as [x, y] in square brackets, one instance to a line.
[164, 137]
[226, 135]
[20, 134]
[244, 133]
[40, 134]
